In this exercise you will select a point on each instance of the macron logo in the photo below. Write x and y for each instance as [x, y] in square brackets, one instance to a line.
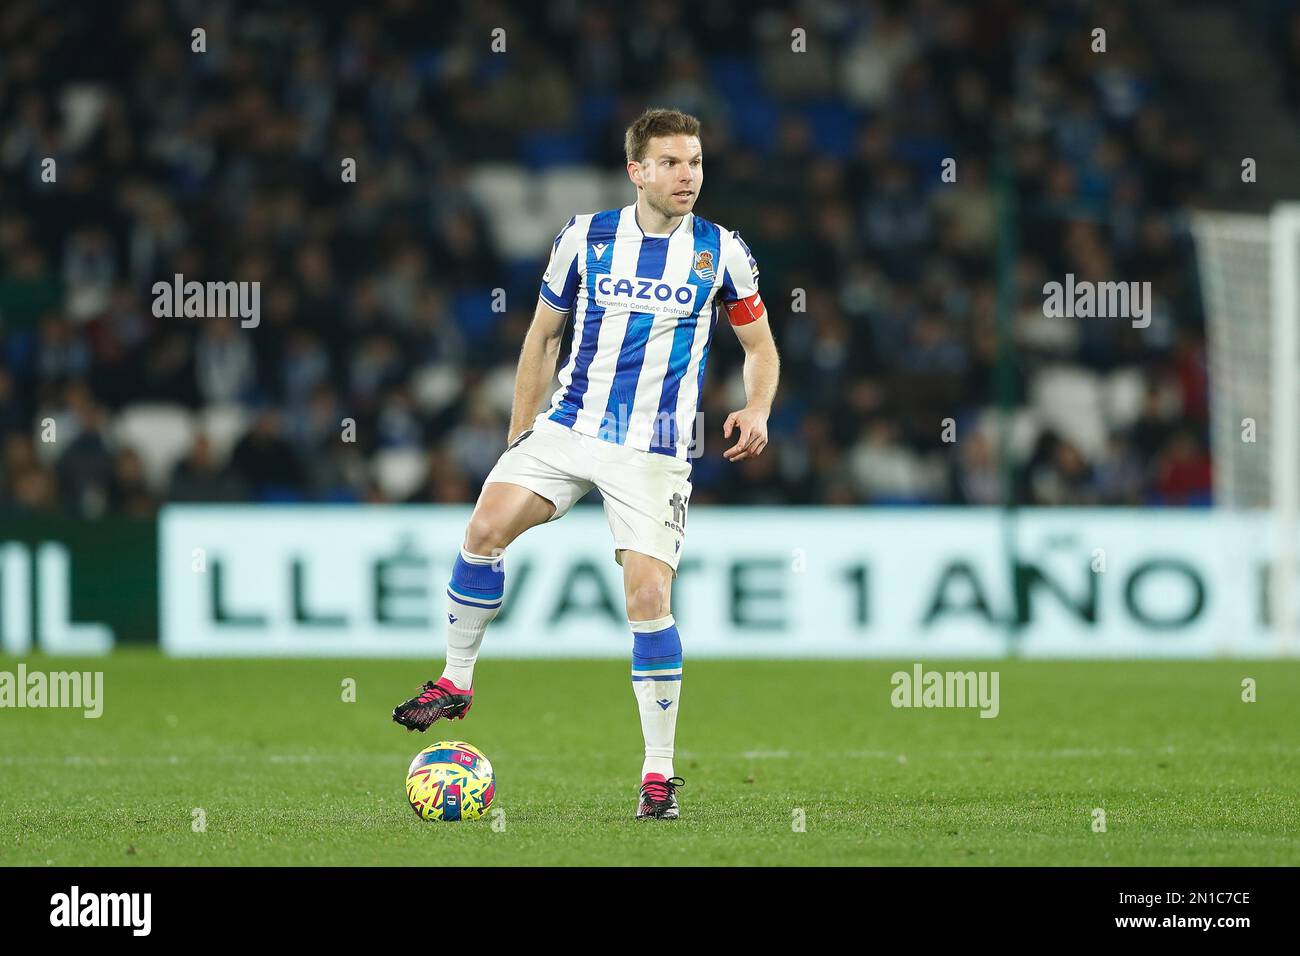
[452, 618]
[664, 702]
[599, 248]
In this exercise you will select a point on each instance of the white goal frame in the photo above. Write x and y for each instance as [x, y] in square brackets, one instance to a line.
[1264, 294]
[1284, 473]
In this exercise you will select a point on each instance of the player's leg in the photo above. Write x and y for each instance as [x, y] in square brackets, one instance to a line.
[536, 480]
[474, 597]
[646, 497]
[656, 676]
[477, 587]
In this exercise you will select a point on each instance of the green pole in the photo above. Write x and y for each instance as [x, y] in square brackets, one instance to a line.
[1004, 375]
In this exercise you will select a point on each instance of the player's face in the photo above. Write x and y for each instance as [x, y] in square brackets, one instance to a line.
[672, 174]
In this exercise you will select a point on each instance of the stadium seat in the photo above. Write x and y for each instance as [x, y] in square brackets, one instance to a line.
[1069, 401]
[598, 107]
[159, 434]
[473, 314]
[617, 191]
[834, 127]
[435, 386]
[1124, 392]
[503, 192]
[566, 190]
[1025, 429]
[499, 185]
[560, 148]
[735, 76]
[753, 121]
[400, 471]
[224, 425]
[498, 390]
[1023, 426]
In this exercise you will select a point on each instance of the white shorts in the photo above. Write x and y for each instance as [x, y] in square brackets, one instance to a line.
[646, 494]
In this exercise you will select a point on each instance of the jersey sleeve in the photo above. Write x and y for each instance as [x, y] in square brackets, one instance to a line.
[739, 293]
[560, 280]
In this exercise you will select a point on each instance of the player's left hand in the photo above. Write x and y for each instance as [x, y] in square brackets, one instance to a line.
[752, 423]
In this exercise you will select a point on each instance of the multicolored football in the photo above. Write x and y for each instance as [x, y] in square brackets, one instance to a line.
[451, 780]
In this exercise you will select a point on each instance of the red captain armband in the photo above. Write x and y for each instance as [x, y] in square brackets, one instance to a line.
[744, 311]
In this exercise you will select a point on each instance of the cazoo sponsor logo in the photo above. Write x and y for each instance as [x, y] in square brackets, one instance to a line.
[644, 295]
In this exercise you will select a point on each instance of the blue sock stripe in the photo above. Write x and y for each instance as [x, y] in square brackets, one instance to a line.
[468, 602]
[657, 645]
[655, 663]
[669, 677]
[477, 580]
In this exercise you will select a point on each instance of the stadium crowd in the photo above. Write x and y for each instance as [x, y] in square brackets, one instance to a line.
[380, 370]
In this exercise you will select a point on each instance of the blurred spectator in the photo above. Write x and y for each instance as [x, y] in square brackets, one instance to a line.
[85, 468]
[197, 477]
[266, 463]
[1058, 474]
[130, 493]
[397, 302]
[1183, 471]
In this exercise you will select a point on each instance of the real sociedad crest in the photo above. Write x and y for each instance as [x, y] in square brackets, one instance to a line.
[704, 265]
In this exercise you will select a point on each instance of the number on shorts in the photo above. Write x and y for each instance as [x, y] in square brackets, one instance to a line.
[678, 504]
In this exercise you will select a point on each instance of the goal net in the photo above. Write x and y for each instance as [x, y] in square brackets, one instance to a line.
[1250, 284]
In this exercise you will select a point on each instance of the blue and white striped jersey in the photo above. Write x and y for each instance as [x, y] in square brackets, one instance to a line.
[643, 310]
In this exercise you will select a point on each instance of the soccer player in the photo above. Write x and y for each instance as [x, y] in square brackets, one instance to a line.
[643, 284]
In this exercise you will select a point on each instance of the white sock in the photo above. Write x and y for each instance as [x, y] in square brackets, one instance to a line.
[473, 599]
[657, 684]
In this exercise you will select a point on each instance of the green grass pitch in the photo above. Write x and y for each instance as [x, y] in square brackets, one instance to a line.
[286, 772]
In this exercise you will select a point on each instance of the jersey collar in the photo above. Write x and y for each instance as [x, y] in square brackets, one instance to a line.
[658, 235]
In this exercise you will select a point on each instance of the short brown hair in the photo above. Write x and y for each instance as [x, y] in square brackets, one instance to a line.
[656, 123]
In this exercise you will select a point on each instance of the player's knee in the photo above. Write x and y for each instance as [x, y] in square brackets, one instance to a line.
[485, 535]
[647, 601]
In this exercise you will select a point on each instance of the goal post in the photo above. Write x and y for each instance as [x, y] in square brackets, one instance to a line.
[1284, 228]
[1250, 282]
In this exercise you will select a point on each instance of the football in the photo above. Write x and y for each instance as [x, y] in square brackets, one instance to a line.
[451, 780]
